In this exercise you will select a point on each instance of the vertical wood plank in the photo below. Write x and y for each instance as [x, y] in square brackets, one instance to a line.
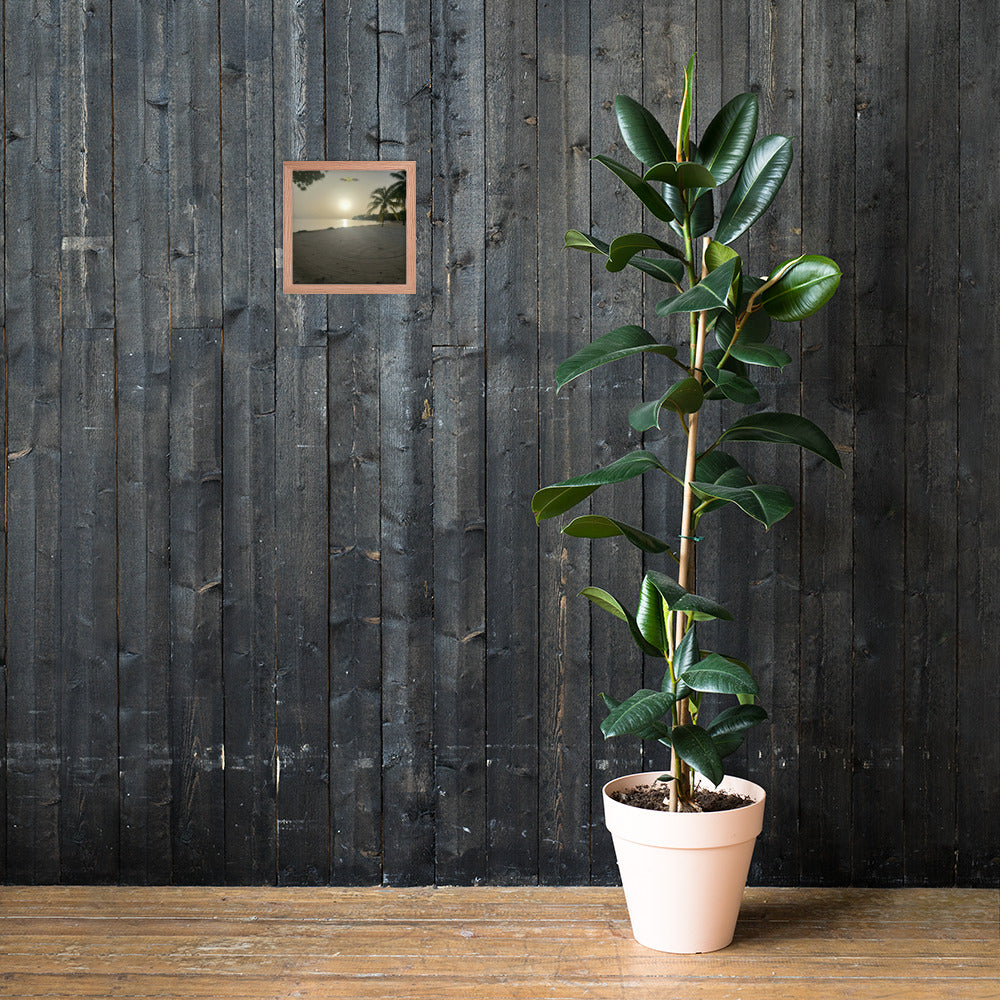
[142, 289]
[87, 261]
[193, 114]
[772, 759]
[458, 287]
[929, 763]
[88, 702]
[248, 406]
[615, 300]
[32, 225]
[563, 328]
[196, 710]
[880, 439]
[978, 709]
[301, 478]
[827, 399]
[512, 443]
[354, 522]
[407, 471]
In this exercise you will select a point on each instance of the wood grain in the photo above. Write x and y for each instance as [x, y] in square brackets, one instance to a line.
[423, 943]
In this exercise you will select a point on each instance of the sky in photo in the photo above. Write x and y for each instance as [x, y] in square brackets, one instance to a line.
[335, 198]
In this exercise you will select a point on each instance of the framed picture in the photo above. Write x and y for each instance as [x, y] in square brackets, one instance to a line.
[348, 226]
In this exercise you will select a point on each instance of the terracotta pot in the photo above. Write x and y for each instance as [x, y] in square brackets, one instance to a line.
[683, 873]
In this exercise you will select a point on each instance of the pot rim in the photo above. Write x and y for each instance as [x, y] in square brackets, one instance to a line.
[649, 777]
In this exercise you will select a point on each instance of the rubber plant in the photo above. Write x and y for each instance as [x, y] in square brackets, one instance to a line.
[707, 291]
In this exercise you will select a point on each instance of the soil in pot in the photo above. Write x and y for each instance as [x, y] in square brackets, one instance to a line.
[655, 797]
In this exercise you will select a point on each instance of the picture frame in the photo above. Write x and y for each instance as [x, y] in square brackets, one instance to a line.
[349, 227]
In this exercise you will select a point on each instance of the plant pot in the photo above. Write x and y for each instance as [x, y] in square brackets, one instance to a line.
[683, 873]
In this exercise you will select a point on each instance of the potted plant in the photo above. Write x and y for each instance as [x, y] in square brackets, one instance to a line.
[684, 864]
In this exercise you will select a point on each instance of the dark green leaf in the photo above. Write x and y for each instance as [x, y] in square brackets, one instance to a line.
[650, 616]
[719, 468]
[685, 656]
[712, 292]
[767, 504]
[756, 329]
[736, 719]
[671, 271]
[712, 358]
[702, 215]
[624, 248]
[636, 713]
[679, 599]
[783, 428]
[642, 133]
[624, 342]
[681, 175]
[654, 731]
[684, 396]
[662, 305]
[646, 194]
[608, 603]
[762, 175]
[694, 746]
[728, 138]
[560, 497]
[802, 290]
[595, 526]
[730, 743]
[732, 386]
[580, 241]
[721, 676]
[766, 355]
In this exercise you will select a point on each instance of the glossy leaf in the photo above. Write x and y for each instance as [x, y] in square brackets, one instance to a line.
[551, 501]
[686, 656]
[695, 747]
[713, 358]
[671, 271]
[756, 329]
[732, 386]
[575, 240]
[715, 674]
[729, 136]
[681, 175]
[624, 342]
[646, 194]
[684, 119]
[684, 396]
[636, 713]
[766, 355]
[595, 526]
[606, 602]
[783, 428]
[702, 215]
[762, 175]
[712, 292]
[623, 248]
[736, 719]
[651, 617]
[679, 599]
[716, 254]
[654, 731]
[767, 504]
[804, 289]
[718, 467]
[727, 743]
[642, 133]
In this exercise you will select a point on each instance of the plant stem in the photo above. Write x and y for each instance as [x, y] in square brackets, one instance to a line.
[686, 562]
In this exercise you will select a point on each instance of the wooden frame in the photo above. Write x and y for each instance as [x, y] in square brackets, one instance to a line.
[322, 244]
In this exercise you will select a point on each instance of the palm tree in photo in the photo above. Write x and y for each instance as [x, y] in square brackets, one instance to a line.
[384, 202]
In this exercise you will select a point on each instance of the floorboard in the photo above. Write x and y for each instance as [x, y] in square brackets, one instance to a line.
[571, 943]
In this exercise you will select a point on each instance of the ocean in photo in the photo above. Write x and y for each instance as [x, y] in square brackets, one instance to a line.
[307, 224]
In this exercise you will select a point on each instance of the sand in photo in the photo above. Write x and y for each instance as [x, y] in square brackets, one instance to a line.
[356, 255]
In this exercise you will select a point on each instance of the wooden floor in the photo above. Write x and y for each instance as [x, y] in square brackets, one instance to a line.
[487, 944]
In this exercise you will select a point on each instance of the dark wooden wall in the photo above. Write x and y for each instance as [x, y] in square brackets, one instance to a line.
[275, 606]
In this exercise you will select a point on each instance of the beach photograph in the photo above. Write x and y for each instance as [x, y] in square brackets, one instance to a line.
[349, 226]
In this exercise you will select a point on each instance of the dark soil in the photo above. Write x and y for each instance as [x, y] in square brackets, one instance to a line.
[657, 797]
